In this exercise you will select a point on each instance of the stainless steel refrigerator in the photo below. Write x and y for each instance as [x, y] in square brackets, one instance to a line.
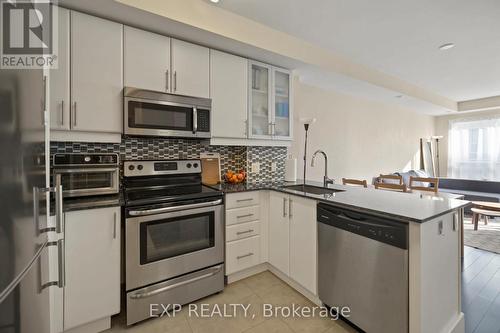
[25, 280]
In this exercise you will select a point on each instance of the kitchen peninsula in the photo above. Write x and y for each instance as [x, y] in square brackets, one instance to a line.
[273, 227]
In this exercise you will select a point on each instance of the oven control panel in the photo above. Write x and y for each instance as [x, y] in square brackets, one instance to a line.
[84, 159]
[165, 167]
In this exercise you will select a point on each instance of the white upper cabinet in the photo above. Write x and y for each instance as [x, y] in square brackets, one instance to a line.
[146, 60]
[59, 78]
[96, 74]
[228, 90]
[259, 91]
[282, 120]
[269, 102]
[190, 69]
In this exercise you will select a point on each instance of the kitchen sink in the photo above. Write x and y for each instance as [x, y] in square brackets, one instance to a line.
[312, 189]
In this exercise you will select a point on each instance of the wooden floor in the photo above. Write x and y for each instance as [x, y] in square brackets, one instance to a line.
[481, 291]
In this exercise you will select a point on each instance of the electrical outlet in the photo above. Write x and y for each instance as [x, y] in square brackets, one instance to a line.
[273, 167]
[255, 167]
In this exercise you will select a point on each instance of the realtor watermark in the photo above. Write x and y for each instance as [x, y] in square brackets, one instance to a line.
[29, 34]
[232, 310]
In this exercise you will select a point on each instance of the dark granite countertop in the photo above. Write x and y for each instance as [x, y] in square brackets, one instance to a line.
[417, 206]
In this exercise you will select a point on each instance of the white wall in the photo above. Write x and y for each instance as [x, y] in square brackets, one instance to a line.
[362, 138]
[442, 126]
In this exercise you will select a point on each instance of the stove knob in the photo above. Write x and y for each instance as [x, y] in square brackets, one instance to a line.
[131, 167]
[140, 167]
[188, 165]
[195, 165]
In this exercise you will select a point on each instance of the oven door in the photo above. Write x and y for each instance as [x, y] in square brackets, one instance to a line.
[167, 242]
[161, 118]
[88, 181]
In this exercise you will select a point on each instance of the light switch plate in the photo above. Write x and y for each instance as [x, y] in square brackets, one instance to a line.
[255, 167]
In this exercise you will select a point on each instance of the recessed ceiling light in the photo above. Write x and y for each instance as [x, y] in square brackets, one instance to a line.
[447, 46]
[214, 1]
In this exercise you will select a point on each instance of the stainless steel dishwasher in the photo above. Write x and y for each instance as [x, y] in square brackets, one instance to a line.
[363, 264]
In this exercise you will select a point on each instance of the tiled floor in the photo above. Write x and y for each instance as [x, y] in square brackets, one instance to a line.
[480, 303]
[481, 291]
[255, 290]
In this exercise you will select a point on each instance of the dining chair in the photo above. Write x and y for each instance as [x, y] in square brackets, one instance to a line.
[391, 187]
[433, 182]
[348, 181]
[392, 179]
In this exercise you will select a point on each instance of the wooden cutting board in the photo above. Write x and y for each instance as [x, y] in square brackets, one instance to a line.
[210, 168]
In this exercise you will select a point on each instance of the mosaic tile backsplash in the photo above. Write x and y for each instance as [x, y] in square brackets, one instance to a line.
[232, 157]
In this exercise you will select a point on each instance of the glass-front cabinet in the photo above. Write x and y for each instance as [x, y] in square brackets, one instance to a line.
[270, 115]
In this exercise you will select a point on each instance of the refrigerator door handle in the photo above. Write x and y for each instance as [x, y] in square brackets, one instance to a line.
[61, 263]
[37, 191]
[59, 209]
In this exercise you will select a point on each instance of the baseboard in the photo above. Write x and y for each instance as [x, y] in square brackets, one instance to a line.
[306, 293]
[247, 273]
[268, 267]
[93, 327]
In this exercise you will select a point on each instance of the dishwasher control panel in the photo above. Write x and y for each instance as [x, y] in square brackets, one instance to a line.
[379, 229]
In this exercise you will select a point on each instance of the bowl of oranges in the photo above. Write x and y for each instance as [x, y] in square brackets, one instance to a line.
[235, 177]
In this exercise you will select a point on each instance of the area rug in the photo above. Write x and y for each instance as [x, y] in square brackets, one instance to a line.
[487, 237]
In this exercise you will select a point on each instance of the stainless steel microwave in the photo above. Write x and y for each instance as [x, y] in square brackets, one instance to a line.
[151, 113]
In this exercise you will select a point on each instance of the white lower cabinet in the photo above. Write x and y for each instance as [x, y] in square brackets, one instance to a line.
[289, 231]
[279, 232]
[293, 238]
[244, 244]
[242, 254]
[242, 230]
[303, 242]
[92, 260]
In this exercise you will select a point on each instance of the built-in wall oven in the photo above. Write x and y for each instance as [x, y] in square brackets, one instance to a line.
[150, 113]
[86, 174]
[174, 245]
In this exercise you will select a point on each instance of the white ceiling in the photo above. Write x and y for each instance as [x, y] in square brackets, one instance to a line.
[398, 37]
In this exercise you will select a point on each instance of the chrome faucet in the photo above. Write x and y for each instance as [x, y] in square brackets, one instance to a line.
[326, 180]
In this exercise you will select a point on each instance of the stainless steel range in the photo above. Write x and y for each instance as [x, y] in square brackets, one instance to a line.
[174, 245]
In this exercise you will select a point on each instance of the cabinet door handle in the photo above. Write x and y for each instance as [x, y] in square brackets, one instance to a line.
[62, 263]
[166, 79]
[175, 81]
[284, 207]
[290, 215]
[114, 225]
[244, 256]
[44, 93]
[244, 232]
[243, 200]
[62, 112]
[74, 114]
[242, 216]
